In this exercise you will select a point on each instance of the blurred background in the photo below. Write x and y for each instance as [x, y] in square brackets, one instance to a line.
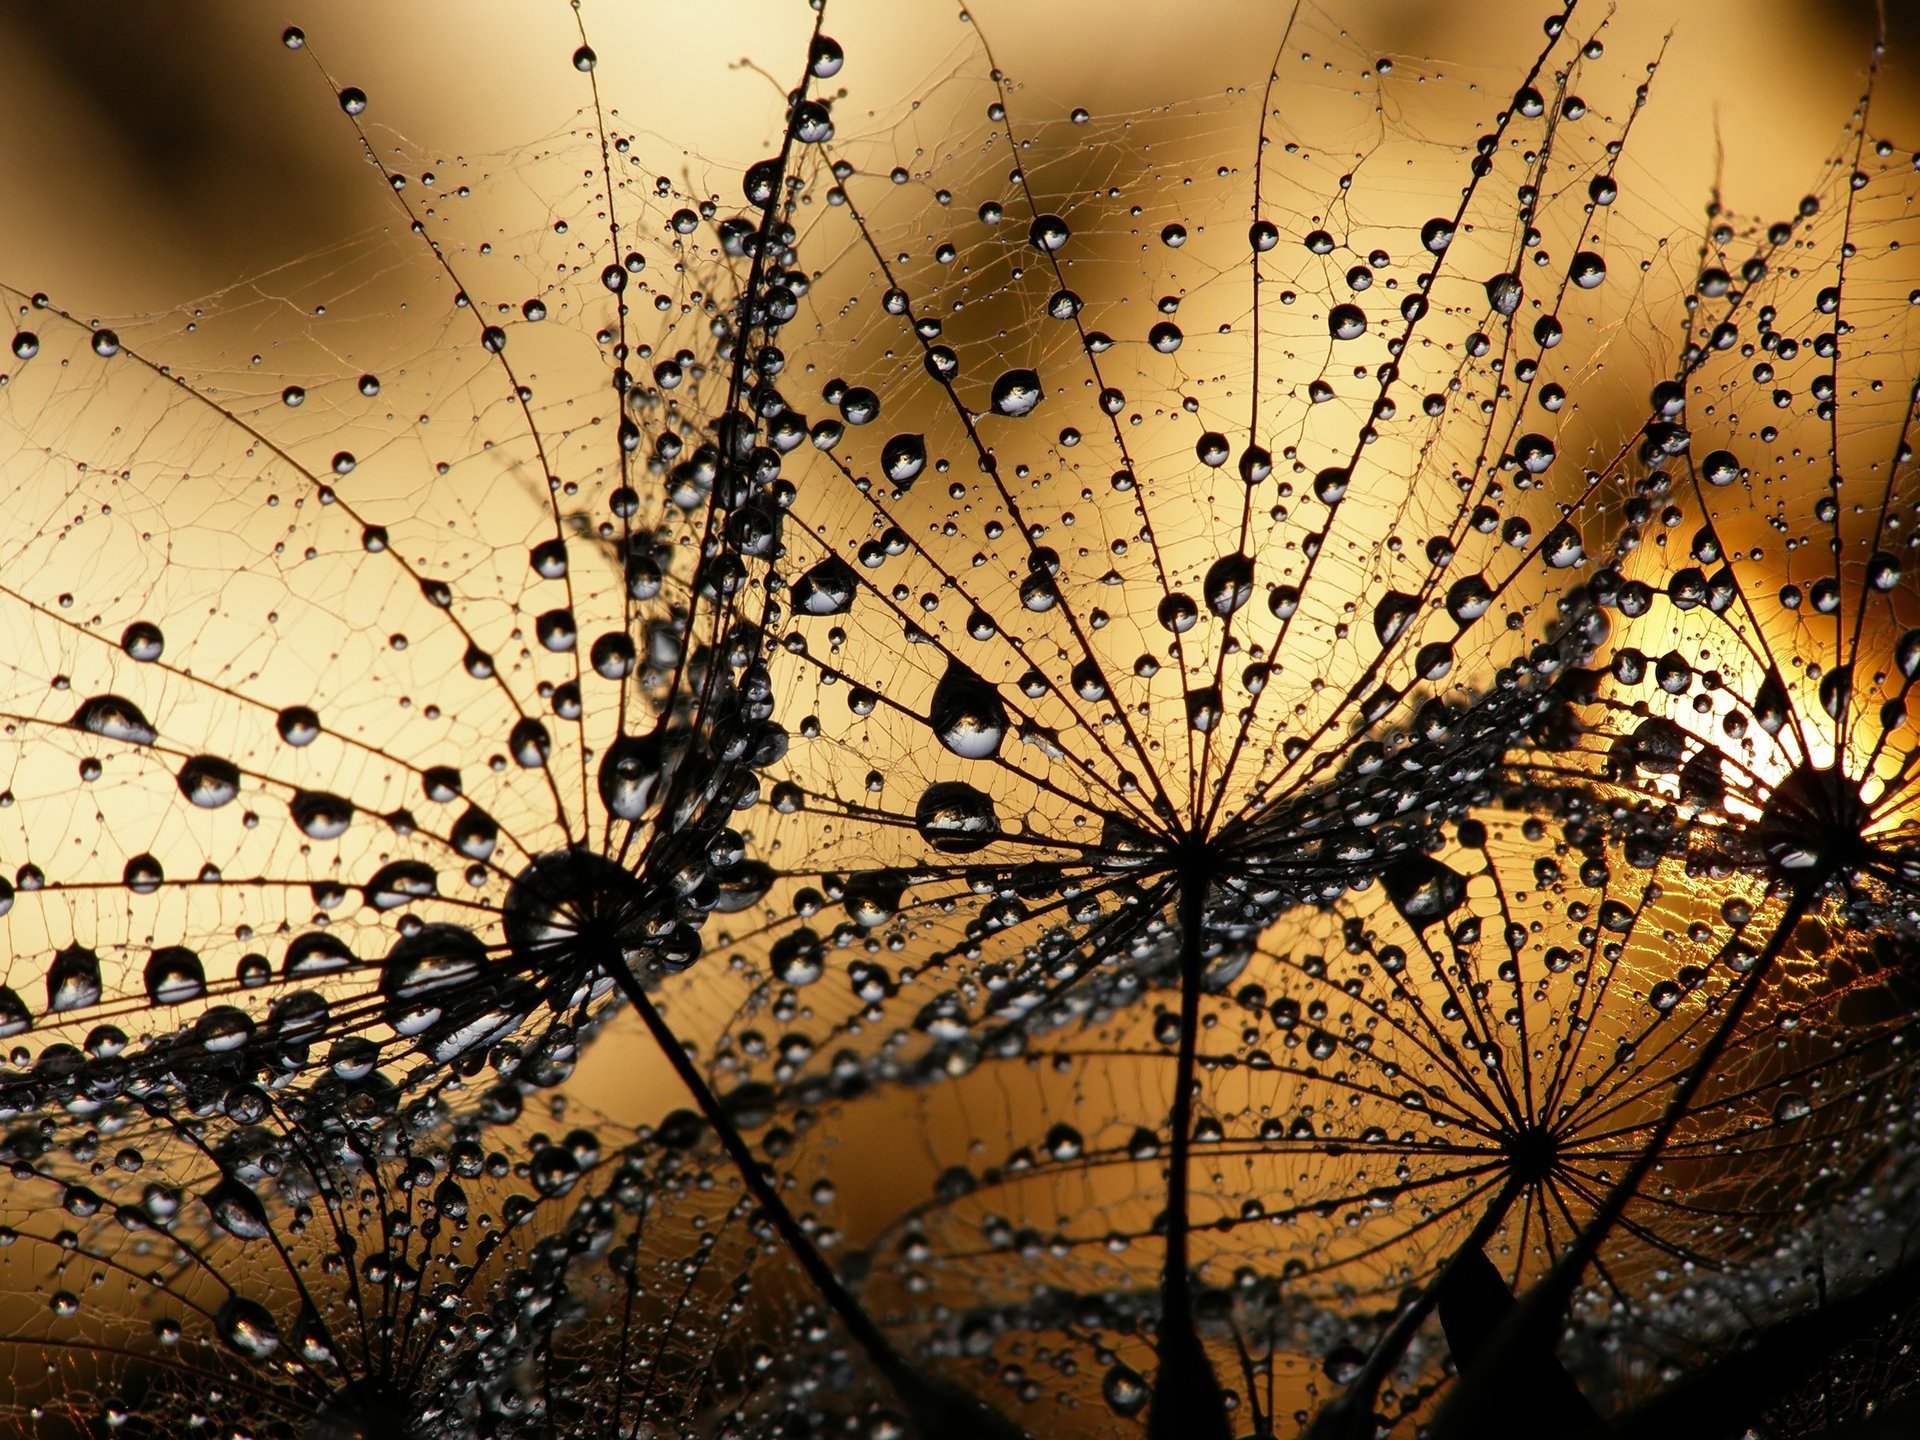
[157, 152]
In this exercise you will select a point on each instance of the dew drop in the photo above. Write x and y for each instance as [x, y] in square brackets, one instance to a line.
[174, 975]
[1392, 613]
[1720, 468]
[319, 815]
[1228, 584]
[114, 718]
[956, 819]
[903, 458]
[1016, 393]
[966, 714]
[246, 1327]
[1125, 1391]
[825, 589]
[209, 782]
[143, 641]
[1048, 233]
[73, 979]
[298, 725]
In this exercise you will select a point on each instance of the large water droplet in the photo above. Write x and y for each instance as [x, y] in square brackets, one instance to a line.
[143, 641]
[1392, 613]
[237, 1210]
[1048, 233]
[427, 970]
[73, 979]
[1423, 890]
[175, 975]
[629, 774]
[115, 719]
[826, 589]
[955, 818]
[1125, 1390]
[319, 815]
[966, 714]
[1228, 584]
[903, 458]
[1016, 393]
[246, 1327]
[208, 781]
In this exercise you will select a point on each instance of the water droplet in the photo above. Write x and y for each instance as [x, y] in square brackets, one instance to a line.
[73, 979]
[1423, 890]
[966, 714]
[319, 815]
[1228, 584]
[1534, 452]
[1392, 613]
[1178, 613]
[1016, 393]
[209, 782]
[246, 1327]
[629, 773]
[143, 641]
[903, 458]
[1790, 1107]
[956, 819]
[1125, 1390]
[826, 589]
[1048, 233]
[174, 975]
[237, 1210]
[114, 718]
[298, 725]
[825, 57]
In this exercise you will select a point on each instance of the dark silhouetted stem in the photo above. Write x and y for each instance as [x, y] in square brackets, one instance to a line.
[1477, 1406]
[1350, 1417]
[939, 1411]
[1188, 1402]
[1725, 1398]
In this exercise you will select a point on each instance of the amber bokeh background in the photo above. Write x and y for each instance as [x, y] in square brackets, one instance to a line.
[158, 152]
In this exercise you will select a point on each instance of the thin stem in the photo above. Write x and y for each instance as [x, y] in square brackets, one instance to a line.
[1351, 1416]
[940, 1412]
[1187, 1399]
